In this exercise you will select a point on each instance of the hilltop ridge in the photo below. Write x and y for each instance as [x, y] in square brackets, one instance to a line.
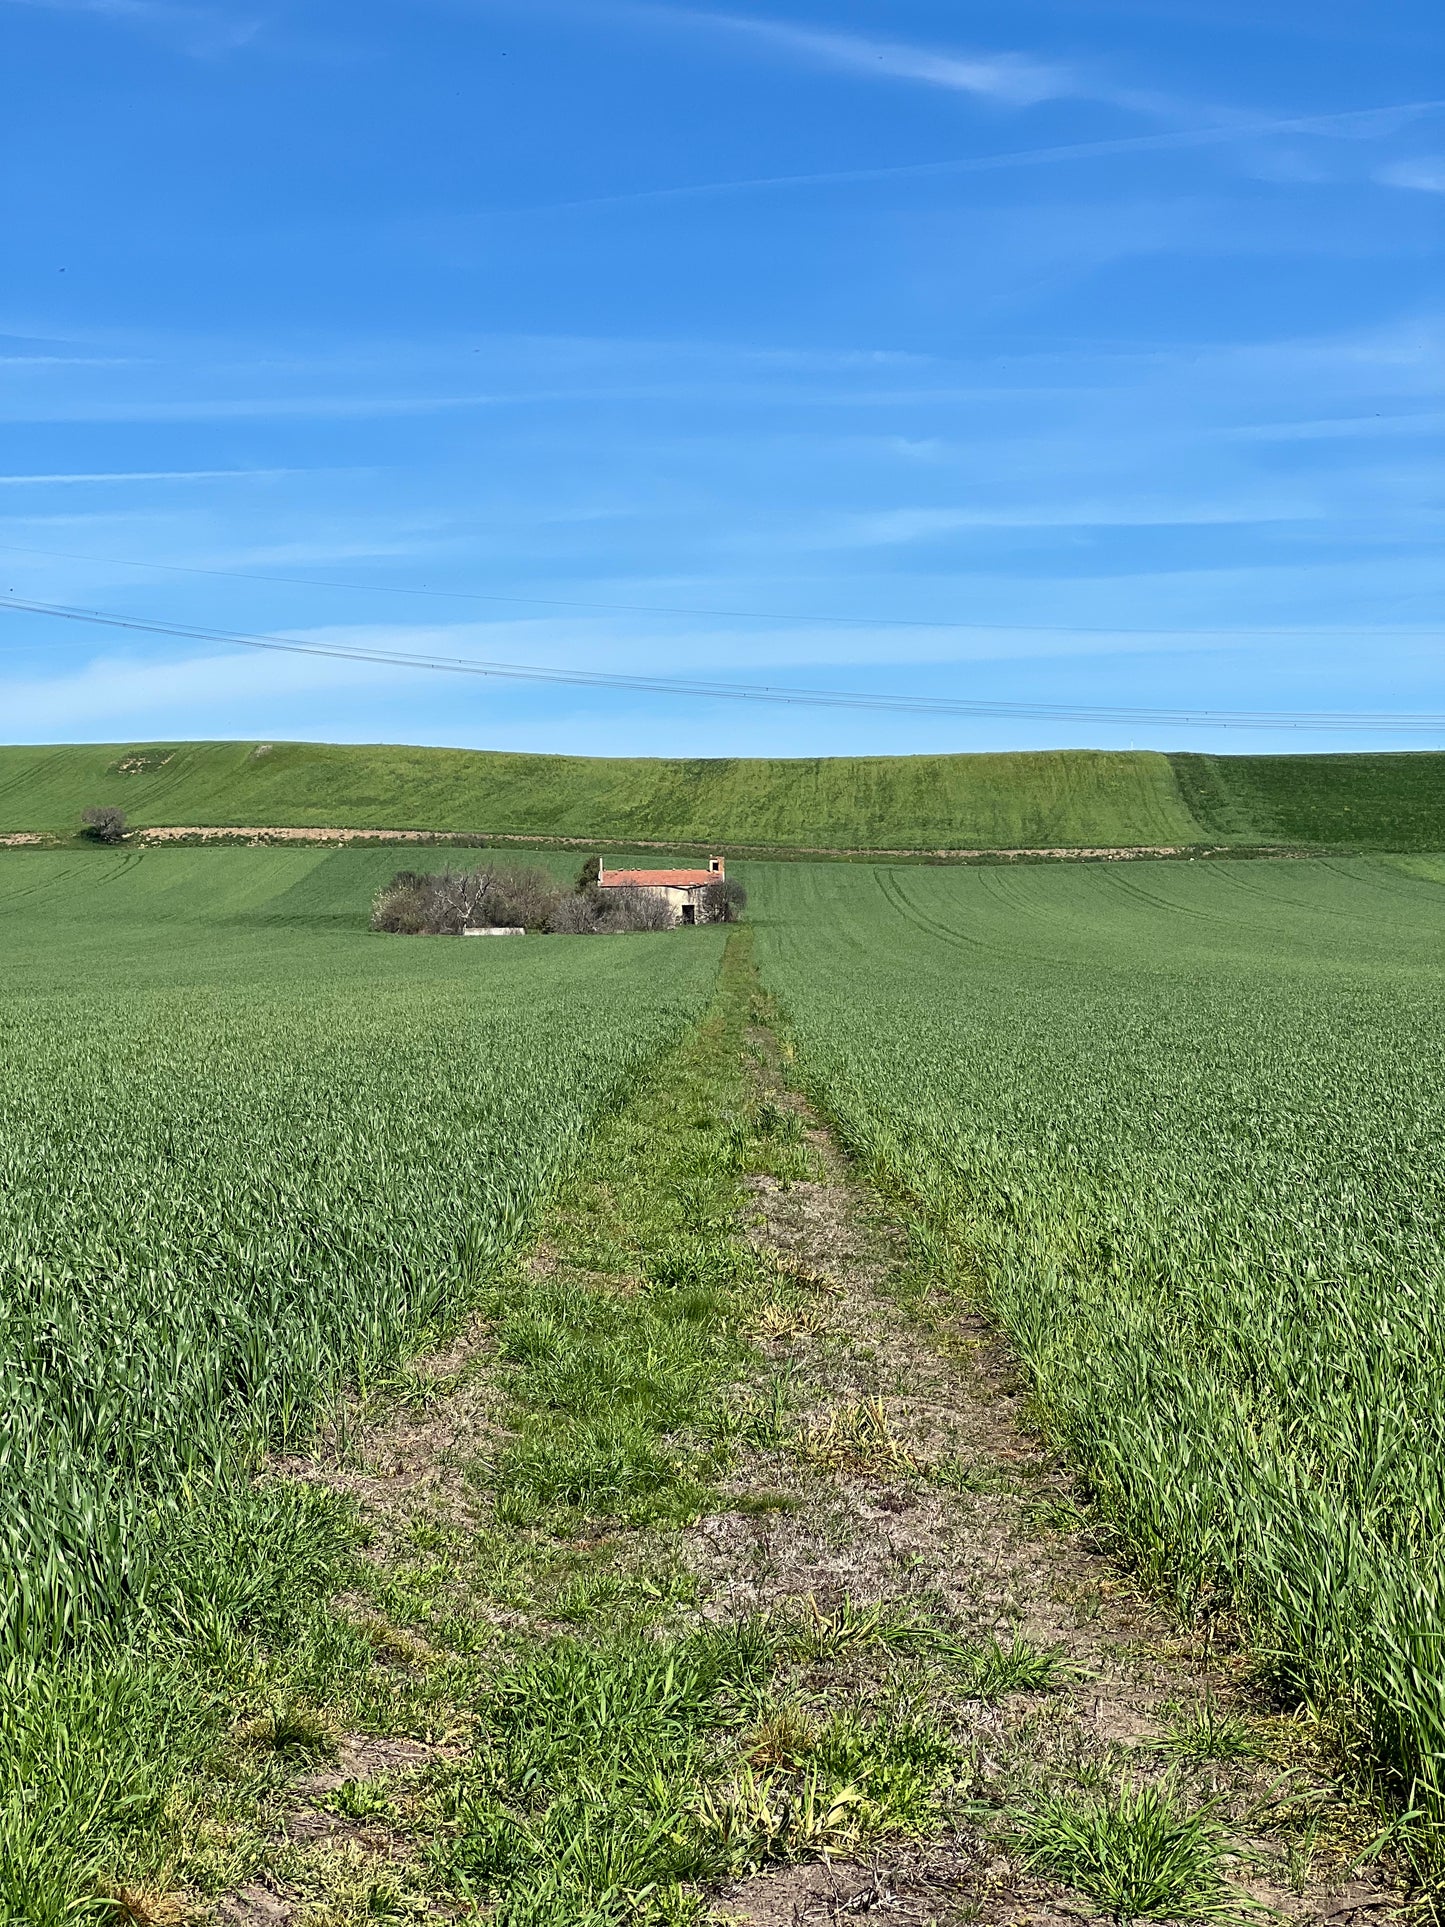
[1027, 799]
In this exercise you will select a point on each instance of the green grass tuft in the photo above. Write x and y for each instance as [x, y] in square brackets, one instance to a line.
[1137, 1852]
[1208, 1732]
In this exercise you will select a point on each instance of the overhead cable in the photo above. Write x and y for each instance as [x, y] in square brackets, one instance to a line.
[593, 607]
[696, 688]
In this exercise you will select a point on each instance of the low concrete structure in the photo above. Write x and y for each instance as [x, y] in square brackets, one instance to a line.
[494, 930]
[681, 888]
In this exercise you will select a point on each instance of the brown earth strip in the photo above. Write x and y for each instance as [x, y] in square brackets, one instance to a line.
[917, 1475]
[259, 836]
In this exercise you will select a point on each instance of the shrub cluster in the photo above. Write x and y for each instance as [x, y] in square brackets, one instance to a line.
[104, 823]
[722, 902]
[446, 902]
[443, 902]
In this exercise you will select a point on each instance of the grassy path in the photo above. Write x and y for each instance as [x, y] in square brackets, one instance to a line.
[714, 1575]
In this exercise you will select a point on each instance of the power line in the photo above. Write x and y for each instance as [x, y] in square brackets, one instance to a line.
[695, 689]
[663, 609]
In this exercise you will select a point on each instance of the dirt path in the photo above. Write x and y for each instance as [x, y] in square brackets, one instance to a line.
[897, 1487]
[918, 1477]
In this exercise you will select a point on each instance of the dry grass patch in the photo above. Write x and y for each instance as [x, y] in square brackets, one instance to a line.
[860, 1437]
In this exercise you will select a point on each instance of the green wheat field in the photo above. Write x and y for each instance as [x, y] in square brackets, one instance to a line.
[1068, 798]
[1177, 1124]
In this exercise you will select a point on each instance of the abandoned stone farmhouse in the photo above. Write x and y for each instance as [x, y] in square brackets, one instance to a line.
[681, 888]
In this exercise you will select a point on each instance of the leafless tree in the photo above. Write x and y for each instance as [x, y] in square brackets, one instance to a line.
[629, 908]
[443, 903]
[519, 896]
[104, 823]
[576, 916]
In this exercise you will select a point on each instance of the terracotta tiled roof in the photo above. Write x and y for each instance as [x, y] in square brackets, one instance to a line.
[657, 879]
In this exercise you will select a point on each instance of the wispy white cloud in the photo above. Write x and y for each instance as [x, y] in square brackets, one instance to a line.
[1016, 79]
[154, 475]
[243, 692]
[755, 514]
[904, 525]
[202, 31]
[111, 690]
[1008, 77]
[1223, 130]
[1425, 174]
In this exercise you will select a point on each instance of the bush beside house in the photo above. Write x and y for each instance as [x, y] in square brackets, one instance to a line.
[448, 902]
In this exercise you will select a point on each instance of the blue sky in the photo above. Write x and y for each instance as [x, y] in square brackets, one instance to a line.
[1105, 337]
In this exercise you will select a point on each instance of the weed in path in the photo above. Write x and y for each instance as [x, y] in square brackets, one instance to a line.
[361, 1800]
[850, 1627]
[602, 1466]
[291, 1730]
[985, 1670]
[784, 1738]
[1208, 1732]
[993, 1670]
[1138, 1852]
[857, 1437]
[582, 1803]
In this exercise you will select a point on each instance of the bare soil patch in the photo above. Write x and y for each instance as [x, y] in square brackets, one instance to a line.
[294, 833]
[410, 1455]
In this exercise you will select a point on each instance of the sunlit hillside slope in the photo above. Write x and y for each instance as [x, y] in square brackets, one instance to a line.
[1066, 799]
[1070, 798]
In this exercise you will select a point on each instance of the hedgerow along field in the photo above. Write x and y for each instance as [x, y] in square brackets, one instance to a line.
[1178, 1126]
[249, 1155]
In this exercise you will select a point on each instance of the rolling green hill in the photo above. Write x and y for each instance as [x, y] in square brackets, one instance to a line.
[1065, 799]
[1394, 801]
[1076, 797]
